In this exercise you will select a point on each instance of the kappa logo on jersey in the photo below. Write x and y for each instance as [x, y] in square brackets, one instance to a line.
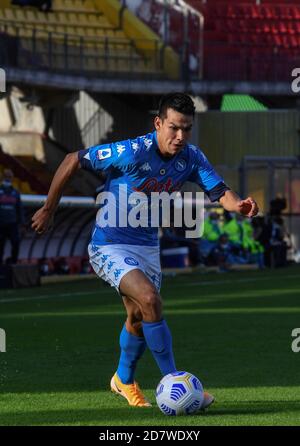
[117, 272]
[194, 148]
[135, 146]
[120, 149]
[104, 153]
[145, 167]
[148, 143]
[131, 261]
[104, 257]
[110, 265]
[180, 165]
[155, 278]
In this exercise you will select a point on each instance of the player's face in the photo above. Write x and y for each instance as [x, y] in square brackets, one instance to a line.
[173, 132]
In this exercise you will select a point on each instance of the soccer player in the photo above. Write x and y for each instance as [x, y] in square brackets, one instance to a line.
[128, 257]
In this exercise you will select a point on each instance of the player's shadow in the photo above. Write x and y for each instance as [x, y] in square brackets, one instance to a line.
[253, 408]
[134, 416]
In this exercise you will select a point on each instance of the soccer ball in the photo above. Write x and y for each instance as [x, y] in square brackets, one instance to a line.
[179, 393]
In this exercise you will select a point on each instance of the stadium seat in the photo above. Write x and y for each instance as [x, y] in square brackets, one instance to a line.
[273, 26]
[81, 26]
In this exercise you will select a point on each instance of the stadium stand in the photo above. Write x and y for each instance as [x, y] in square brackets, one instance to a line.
[178, 24]
[248, 41]
[83, 36]
[94, 37]
[26, 180]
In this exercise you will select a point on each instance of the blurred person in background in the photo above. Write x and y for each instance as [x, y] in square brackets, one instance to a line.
[11, 216]
[211, 233]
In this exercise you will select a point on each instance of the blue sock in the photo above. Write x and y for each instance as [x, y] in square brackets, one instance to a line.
[132, 348]
[159, 341]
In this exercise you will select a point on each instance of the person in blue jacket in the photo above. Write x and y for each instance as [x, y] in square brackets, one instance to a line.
[11, 216]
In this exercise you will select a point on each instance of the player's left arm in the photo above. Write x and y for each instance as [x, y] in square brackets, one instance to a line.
[233, 203]
[213, 184]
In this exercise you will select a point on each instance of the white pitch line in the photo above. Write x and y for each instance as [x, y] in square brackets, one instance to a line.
[207, 282]
[251, 279]
[47, 296]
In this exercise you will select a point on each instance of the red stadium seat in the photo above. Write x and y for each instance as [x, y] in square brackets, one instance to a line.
[295, 12]
[269, 31]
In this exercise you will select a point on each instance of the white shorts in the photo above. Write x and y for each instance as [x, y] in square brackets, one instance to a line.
[112, 262]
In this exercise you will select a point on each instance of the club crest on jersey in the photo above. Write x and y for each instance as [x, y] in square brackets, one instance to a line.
[180, 165]
[131, 261]
[104, 153]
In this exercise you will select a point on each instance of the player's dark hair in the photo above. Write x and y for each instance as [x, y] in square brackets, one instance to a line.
[179, 102]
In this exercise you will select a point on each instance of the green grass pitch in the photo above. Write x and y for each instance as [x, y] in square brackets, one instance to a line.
[231, 330]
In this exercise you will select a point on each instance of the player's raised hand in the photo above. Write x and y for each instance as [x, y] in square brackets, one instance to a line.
[248, 207]
[42, 220]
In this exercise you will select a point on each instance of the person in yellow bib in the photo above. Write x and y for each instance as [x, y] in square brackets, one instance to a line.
[254, 247]
[211, 233]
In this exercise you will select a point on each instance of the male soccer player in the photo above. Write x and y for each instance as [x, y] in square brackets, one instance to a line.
[128, 257]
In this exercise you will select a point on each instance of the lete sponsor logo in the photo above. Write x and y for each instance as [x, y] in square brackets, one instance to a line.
[153, 185]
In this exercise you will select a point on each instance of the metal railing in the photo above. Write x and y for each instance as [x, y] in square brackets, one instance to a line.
[178, 24]
[34, 48]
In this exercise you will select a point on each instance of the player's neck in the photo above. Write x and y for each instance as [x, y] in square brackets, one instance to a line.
[160, 148]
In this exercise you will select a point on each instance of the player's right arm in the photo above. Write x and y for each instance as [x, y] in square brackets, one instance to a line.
[96, 158]
[42, 219]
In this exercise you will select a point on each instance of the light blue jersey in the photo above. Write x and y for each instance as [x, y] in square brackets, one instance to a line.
[138, 164]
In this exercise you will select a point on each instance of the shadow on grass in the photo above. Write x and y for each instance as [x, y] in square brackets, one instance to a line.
[134, 416]
[61, 351]
[73, 354]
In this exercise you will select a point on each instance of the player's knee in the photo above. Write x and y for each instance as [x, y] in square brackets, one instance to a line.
[151, 305]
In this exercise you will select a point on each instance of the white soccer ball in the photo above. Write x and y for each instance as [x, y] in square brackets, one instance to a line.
[179, 393]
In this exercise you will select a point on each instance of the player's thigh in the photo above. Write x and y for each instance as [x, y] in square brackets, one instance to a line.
[139, 288]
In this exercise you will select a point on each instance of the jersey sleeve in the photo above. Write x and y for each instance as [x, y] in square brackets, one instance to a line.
[107, 156]
[206, 177]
